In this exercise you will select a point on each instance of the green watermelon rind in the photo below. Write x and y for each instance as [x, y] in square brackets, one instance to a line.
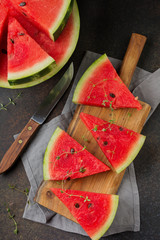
[108, 222]
[87, 73]
[42, 70]
[56, 30]
[59, 65]
[57, 133]
[132, 155]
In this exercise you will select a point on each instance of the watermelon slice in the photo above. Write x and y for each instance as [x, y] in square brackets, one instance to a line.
[49, 16]
[93, 211]
[119, 144]
[101, 86]
[65, 158]
[27, 61]
[61, 50]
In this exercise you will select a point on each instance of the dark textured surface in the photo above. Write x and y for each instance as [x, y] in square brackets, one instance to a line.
[106, 26]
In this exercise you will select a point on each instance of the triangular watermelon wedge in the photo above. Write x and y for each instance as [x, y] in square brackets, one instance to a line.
[67, 159]
[101, 86]
[50, 16]
[119, 144]
[93, 211]
[27, 61]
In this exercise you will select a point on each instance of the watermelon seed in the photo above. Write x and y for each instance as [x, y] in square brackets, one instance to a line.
[4, 51]
[98, 138]
[22, 4]
[77, 205]
[12, 41]
[21, 34]
[105, 143]
[89, 205]
[120, 128]
[112, 95]
[24, 14]
[68, 179]
[72, 150]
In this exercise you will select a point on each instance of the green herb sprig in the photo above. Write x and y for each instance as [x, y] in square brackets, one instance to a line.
[86, 199]
[11, 101]
[12, 216]
[25, 192]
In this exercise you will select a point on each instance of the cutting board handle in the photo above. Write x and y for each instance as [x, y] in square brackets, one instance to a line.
[131, 57]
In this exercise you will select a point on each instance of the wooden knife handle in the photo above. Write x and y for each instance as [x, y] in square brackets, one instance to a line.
[131, 58]
[18, 145]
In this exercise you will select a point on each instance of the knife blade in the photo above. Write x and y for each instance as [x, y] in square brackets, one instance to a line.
[36, 120]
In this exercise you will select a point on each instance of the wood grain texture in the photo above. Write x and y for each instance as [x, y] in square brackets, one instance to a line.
[18, 145]
[131, 58]
[106, 182]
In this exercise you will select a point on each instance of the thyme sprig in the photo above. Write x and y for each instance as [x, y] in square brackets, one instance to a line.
[25, 192]
[12, 216]
[86, 199]
[11, 101]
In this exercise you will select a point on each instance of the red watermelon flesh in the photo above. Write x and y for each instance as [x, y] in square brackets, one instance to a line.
[3, 43]
[57, 49]
[26, 59]
[119, 144]
[93, 211]
[60, 50]
[65, 158]
[3, 19]
[49, 16]
[101, 86]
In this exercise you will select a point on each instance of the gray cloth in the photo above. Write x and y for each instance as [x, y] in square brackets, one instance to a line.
[128, 214]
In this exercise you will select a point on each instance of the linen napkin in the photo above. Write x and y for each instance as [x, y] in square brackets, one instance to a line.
[144, 84]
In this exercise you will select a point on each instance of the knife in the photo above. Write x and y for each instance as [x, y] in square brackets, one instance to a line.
[36, 120]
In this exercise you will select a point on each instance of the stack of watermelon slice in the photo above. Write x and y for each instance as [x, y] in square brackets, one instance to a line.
[66, 159]
[40, 38]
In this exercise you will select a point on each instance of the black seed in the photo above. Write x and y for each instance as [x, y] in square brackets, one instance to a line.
[105, 143]
[72, 150]
[112, 95]
[68, 179]
[12, 41]
[121, 129]
[22, 4]
[98, 138]
[4, 51]
[24, 14]
[89, 205]
[21, 34]
[77, 205]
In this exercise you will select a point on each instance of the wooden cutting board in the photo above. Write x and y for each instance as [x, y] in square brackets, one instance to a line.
[107, 182]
